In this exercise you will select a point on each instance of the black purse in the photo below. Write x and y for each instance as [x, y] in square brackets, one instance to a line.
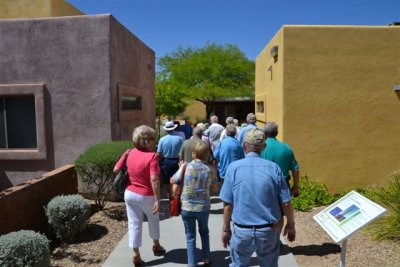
[121, 180]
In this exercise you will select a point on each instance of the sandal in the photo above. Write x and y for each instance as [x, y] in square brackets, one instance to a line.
[137, 261]
[158, 250]
[207, 264]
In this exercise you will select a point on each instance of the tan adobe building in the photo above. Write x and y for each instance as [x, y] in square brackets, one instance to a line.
[335, 93]
[36, 9]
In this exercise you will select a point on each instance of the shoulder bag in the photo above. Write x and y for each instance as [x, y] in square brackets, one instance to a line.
[175, 203]
[121, 179]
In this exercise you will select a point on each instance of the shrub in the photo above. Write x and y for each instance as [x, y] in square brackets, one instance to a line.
[312, 194]
[388, 226]
[24, 248]
[67, 215]
[95, 168]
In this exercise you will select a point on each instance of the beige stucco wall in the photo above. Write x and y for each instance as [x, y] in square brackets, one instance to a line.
[341, 114]
[269, 83]
[36, 9]
[197, 111]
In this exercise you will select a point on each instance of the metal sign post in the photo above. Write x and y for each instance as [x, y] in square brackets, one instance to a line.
[343, 253]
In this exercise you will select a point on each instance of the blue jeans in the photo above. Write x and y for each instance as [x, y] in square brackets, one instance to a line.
[189, 220]
[265, 241]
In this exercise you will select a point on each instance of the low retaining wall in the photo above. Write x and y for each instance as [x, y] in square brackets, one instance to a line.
[22, 206]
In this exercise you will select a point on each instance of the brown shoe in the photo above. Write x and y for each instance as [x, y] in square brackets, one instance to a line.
[137, 261]
[158, 250]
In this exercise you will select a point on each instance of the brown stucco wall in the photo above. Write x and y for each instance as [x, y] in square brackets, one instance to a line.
[71, 57]
[132, 70]
[22, 206]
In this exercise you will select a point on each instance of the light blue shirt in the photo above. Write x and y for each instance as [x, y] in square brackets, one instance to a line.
[243, 131]
[256, 189]
[226, 152]
[169, 146]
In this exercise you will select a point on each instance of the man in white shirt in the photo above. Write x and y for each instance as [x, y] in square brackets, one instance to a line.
[214, 131]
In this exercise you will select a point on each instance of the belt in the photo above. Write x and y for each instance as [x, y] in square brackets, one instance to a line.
[254, 226]
[172, 158]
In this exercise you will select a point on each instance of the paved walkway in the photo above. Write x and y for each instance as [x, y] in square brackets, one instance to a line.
[173, 239]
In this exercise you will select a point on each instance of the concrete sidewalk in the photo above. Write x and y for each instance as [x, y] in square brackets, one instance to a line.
[174, 241]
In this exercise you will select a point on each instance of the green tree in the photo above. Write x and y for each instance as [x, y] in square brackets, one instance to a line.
[208, 73]
[169, 99]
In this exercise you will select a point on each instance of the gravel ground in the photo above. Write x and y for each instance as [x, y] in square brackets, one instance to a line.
[313, 247]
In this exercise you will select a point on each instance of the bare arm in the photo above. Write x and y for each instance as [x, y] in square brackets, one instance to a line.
[290, 230]
[296, 177]
[226, 226]
[155, 184]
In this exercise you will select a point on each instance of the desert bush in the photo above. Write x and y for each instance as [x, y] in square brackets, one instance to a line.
[95, 168]
[388, 226]
[67, 215]
[312, 194]
[24, 248]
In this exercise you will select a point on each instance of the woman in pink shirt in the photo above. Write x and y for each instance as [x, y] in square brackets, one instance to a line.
[142, 196]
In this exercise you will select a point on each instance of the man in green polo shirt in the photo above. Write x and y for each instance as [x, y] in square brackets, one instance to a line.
[281, 154]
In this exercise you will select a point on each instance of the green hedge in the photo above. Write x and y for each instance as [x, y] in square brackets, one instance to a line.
[95, 168]
[312, 194]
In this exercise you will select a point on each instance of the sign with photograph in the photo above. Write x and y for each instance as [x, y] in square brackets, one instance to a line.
[347, 215]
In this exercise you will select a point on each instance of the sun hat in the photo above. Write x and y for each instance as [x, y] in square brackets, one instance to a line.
[169, 126]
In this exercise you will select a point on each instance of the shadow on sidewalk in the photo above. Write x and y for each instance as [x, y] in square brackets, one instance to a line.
[178, 256]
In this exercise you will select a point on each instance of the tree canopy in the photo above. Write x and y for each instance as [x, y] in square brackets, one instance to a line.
[208, 73]
[169, 98]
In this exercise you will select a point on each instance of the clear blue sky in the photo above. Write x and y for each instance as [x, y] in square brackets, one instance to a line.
[165, 24]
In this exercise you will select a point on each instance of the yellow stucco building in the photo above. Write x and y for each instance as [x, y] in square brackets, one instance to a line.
[10, 9]
[335, 93]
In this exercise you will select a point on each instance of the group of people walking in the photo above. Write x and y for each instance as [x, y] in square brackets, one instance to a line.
[255, 191]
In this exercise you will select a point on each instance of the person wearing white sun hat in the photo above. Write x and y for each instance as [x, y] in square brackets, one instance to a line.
[168, 153]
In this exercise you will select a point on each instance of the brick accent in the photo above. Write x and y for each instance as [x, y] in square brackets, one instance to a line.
[22, 206]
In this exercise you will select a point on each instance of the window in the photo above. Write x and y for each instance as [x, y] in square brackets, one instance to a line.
[17, 122]
[22, 122]
[131, 102]
[260, 107]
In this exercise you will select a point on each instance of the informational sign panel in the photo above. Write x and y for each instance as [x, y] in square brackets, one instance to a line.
[347, 215]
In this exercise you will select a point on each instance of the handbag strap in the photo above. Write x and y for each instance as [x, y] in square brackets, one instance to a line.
[126, 158]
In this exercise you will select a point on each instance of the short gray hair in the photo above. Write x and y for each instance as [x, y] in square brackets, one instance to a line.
[230, 130]
[141, 135]
[197, 131]
[271, 129]
[214, 119]
[201, 126]
[251, 118]
[229, 120]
